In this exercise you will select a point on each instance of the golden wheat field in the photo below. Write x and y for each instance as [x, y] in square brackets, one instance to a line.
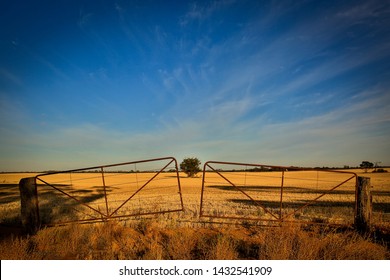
[157, 215]
[303, 195]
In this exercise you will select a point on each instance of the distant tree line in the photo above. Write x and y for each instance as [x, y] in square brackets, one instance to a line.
[366, 165]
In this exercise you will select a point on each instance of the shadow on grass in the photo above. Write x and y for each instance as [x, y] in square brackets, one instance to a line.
[10, 225]
[9, 193]
[296, 204]
[286, 189]
[56, 207]
[381, 207]
[10, 231]
[380, 193]
[53, 205]
[320, 205]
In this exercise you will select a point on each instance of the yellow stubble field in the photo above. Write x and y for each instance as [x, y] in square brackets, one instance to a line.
[293, 195]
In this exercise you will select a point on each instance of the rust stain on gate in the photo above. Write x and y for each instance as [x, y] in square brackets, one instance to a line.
[113, 191]
[270, 194]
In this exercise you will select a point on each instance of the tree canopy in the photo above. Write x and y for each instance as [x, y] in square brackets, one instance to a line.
[366, 165]
[190, 166]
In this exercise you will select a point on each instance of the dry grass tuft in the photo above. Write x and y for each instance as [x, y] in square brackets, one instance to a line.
[147, 240]
[294, 243]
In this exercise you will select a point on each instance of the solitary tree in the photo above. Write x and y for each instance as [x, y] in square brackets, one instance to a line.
[366, 165]
[190, 166]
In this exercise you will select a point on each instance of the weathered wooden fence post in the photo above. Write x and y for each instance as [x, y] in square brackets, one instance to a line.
[364, 205]
[29, 205]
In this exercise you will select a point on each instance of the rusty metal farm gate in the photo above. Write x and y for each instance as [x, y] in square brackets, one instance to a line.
[112, 191]
[273, 194]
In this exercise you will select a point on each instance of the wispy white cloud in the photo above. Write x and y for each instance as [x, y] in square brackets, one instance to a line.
[84, 19]
[7, 75]
[363, 11]
[200, 12]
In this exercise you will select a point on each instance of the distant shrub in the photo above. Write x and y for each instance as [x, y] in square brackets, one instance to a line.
[379, 170]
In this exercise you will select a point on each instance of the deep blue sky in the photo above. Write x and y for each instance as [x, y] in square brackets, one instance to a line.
[301, 83]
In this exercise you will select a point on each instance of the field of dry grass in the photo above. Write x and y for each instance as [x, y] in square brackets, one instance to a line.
[182, 234]
[149, 239]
